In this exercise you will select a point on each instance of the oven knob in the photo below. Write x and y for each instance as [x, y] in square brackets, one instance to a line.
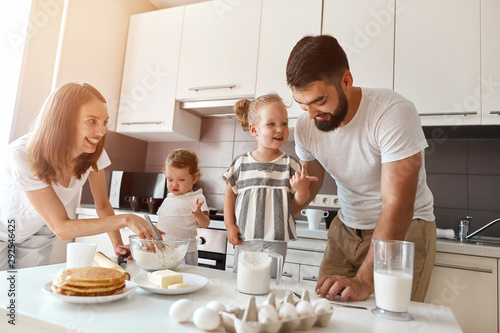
[201, 240]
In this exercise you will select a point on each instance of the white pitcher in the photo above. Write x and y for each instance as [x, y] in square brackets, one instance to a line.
[254, 271]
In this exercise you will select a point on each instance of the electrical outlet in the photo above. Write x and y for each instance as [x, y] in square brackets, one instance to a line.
[325, 200]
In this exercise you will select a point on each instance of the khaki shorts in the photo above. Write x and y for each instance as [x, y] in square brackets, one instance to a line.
[347, 248]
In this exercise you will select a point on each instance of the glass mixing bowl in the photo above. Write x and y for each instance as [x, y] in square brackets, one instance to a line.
[153, 255]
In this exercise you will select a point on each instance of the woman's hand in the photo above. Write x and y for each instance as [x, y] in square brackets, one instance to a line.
[123, 250]
[140, 227]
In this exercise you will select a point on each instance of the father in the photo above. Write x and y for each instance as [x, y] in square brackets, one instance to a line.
[372, 144]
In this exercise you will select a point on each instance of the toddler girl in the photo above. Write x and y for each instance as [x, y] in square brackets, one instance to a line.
[263, 184]
[183, 211]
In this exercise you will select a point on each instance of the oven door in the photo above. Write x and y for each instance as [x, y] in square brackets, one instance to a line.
[212, 248]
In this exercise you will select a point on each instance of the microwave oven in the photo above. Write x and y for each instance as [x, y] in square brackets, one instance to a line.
[142, 184]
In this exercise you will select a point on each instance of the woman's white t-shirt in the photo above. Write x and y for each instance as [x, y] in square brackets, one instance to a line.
[16, 178]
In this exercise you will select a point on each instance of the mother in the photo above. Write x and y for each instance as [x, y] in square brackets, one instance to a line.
[46, 168]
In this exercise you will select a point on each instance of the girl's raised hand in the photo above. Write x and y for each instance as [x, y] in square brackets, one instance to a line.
[300, 180]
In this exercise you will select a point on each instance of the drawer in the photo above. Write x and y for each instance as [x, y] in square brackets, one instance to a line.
[311, 258]
[291, 272]
[309, 274]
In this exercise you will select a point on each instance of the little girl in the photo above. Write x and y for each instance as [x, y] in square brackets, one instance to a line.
[263, 184]
[183, 211]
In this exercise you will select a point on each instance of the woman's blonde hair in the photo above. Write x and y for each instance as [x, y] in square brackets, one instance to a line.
[248, 112]
[52, 141]
[183, 158]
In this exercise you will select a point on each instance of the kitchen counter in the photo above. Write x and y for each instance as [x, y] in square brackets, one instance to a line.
[38, 311]
[442, 245]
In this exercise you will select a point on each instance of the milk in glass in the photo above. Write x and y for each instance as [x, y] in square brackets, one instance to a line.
[392, 290]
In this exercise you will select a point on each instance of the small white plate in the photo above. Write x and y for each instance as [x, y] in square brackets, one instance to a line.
[129, 289]
[196, 281]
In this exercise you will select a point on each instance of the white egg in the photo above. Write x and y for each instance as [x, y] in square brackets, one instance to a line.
[206, 319]
[217, 306]
[267, 313]
[288, 311]
[182, 310]
[322, 305]
[304, 308]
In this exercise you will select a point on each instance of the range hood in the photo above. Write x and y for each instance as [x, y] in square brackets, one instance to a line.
[210, 108]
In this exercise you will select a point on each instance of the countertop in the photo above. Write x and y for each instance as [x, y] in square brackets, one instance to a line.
[38, 311]
[442, 245]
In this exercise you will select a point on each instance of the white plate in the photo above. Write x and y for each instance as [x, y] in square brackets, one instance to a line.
[197, 282]
[129, 289]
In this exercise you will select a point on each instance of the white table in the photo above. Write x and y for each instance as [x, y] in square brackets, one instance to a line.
[142, 311]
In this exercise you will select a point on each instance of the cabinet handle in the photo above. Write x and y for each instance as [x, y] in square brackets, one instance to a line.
[310, 278]
[229, 266]
[226, 86]
[447, 114]
[305, 249]
[495, 112]
[142, 123]
[465, 268]
[286, 274]
[209, 262]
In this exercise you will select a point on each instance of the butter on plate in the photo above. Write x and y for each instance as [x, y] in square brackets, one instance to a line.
[179, 286]
[164, 278]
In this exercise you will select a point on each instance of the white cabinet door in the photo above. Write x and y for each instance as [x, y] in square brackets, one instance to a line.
[365, 30]
[283, 24]
[220, 44]
[490, 64]
[437, 59]
[291, 272]
[148, 109]
[309, 274]
[468, 285]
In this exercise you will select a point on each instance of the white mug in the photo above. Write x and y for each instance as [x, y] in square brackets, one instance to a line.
[80, 254]
[314, 216]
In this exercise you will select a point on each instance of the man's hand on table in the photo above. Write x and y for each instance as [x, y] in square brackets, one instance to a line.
[352, 289]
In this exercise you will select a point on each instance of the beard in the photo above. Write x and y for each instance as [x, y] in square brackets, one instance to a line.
[336, 117]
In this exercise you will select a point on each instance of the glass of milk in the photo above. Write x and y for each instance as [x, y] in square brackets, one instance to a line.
[254, 271]
[393, 276]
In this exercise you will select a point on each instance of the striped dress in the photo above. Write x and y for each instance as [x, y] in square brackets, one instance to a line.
[264, 196]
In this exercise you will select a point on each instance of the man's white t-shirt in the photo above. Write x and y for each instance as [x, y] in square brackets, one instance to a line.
[385, 128]
[16, 178]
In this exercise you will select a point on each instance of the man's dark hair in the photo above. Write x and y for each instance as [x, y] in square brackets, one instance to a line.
[316, 58]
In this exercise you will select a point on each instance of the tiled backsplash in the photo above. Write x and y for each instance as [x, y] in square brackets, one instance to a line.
[463, 174]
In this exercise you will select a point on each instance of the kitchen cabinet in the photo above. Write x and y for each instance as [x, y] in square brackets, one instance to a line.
[219, 51]
[277, 41]
[148, 109]
[437, 59]
[468, 285]
[490, 66]
[365, 30]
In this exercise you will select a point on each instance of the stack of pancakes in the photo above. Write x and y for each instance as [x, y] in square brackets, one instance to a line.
[89, 281]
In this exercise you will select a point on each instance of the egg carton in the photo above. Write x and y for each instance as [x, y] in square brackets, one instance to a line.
[244, 320]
